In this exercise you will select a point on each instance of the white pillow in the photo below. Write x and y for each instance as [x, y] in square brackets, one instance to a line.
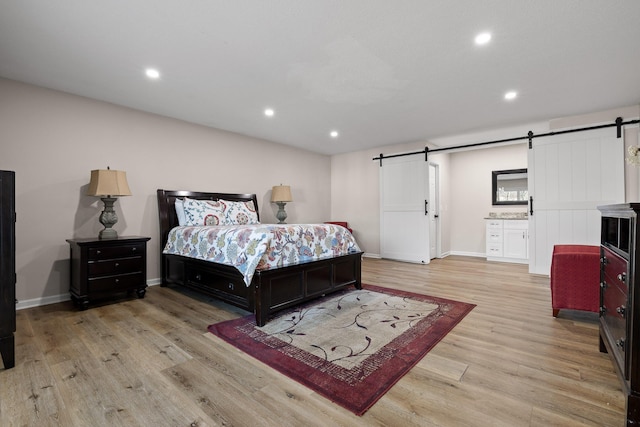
[240, 213]
[179, 204]
[203, 212]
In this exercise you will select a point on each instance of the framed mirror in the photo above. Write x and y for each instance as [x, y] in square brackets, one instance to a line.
[509, 187]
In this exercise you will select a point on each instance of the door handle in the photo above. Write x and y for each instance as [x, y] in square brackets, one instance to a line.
[426, 212]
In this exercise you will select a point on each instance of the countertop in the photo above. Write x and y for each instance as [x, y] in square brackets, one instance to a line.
[507, 215]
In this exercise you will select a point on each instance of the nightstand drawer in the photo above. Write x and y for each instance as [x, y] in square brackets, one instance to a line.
[111, 252]
[115, 267]
[117, 283]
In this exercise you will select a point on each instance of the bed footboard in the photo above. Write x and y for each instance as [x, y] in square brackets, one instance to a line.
[285, 287]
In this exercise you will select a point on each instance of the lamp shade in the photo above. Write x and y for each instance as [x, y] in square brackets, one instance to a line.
[107, 182]
[281, 193]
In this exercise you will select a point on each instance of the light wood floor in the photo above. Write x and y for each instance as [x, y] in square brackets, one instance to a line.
[151, 362]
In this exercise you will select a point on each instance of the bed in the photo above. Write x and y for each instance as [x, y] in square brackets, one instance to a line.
[269, 288]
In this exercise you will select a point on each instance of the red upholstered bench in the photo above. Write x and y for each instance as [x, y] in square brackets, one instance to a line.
[575, 278]
[341, 223]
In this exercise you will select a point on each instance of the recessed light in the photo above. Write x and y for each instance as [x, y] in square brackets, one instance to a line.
[269, 112]
[510, 95]
[152, 73]
[483, 38]
[334, 134]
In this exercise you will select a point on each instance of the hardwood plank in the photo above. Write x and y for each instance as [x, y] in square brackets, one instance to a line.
[219, 397]
[33, 385]
[91, 394]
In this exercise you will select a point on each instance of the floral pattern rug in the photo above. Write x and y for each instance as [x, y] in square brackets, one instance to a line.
[351, 346]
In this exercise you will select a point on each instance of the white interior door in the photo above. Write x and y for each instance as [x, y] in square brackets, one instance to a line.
[404, 225]
[570, 175]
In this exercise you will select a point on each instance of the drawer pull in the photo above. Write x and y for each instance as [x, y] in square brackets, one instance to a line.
[604, 261]
[620, 310]
[603, 285]
[198, 277]
[620, 343]
[231, 286]
[98, 252]
[117, 280]
[622, 277]
[134, 249]
[603, 310]
[117, 264]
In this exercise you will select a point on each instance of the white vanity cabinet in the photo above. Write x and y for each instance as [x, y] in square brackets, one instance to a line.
[494, 238]
[507, 240]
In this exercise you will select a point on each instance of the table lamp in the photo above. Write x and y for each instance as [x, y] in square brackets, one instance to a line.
[108, 185]
[280, 195]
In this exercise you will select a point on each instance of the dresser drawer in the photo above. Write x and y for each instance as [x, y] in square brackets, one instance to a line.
[614, 311]
[615, 268]
[115, 267]
[117, 283]
[111, 252]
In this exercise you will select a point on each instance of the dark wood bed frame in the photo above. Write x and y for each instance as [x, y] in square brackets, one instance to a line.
[270, 290]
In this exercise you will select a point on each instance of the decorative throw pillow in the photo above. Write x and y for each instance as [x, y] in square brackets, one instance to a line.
[179, 204]
[203, 212]
[240, 213]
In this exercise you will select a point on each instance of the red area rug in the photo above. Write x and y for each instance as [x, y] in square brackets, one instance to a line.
[352, 346]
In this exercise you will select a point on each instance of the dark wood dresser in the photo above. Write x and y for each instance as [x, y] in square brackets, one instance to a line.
[620, 299]
[103, 268]
[7, 268]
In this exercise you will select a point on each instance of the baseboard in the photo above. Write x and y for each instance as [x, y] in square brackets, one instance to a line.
[472, 254]
[37, 302]
[377, 256]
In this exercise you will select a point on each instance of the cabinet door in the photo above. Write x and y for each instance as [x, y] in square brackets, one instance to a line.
[515, 243]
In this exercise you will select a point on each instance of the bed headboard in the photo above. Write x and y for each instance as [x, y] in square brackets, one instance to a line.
[167, 210]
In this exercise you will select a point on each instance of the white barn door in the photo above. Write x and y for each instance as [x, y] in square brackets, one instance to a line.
[434, 209]
[570, 175]
[404, 222]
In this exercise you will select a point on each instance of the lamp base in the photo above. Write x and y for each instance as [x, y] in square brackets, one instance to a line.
[281, 214]
[108, 233]
[108, 218]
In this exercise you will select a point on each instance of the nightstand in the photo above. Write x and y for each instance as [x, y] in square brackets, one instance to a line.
[103, 268]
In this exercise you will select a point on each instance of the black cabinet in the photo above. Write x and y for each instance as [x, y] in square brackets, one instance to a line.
[102, 268]
[620, 299]
[7, 268]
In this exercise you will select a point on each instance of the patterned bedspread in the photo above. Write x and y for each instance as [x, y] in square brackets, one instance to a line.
[260, 247]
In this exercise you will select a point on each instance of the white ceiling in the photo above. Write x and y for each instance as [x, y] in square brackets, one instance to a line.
[380, 72]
